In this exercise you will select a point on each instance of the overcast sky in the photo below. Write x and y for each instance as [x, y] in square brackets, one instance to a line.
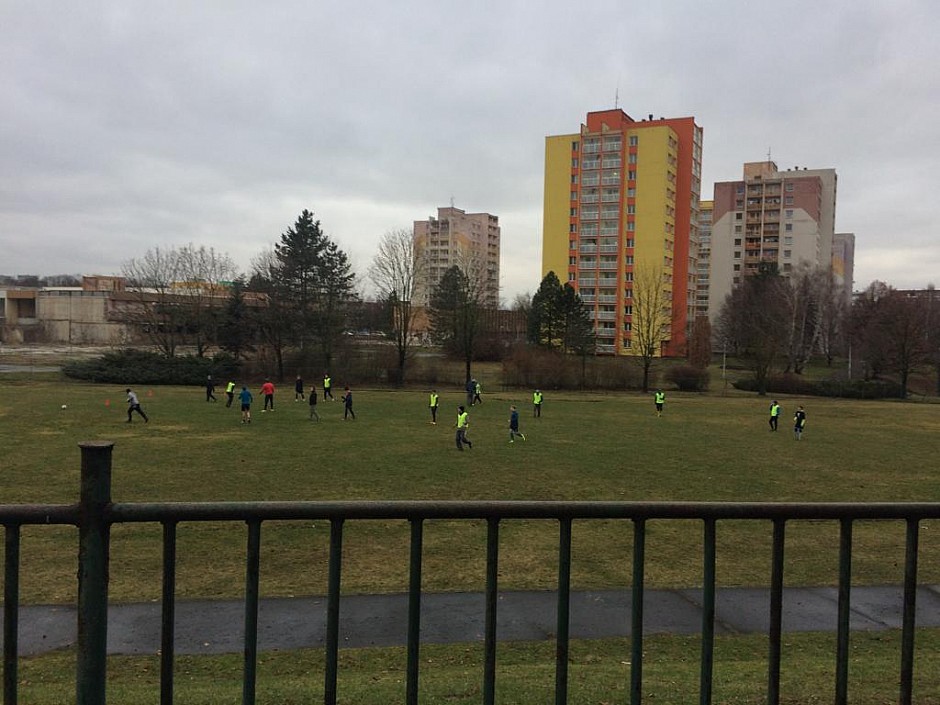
[129, 125]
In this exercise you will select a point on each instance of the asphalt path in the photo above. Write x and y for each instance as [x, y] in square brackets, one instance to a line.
[217, 626]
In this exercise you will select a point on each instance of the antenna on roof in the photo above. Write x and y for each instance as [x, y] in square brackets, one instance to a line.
[617, 94]
[451, 201]
[768, 155]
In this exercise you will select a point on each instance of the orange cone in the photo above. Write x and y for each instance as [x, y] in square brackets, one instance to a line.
[107, 402]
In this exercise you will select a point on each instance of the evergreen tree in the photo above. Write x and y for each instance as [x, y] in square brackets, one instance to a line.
[456, 305]
[545, 323]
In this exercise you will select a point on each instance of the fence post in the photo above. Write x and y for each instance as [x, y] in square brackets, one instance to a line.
[94, 533]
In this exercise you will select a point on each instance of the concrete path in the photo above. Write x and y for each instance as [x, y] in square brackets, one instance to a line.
[214, 627]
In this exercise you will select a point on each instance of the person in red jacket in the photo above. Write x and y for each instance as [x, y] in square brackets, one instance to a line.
[267, 389]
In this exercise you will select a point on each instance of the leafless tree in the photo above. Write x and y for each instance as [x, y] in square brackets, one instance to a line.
[803, 300]
[833, 313]
[754, 323]
[155, 308]
[395, 271]
[202, 273]
[652, 316]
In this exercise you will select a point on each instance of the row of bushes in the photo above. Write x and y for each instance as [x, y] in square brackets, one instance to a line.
[849, 389]
[141, 367]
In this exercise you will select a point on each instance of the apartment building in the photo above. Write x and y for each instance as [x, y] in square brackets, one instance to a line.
[703, 262]
[468, 240]
[843, 262]
[771, 216]
[622, 197]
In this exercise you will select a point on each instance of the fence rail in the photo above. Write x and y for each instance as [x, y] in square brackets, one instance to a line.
[96, 513]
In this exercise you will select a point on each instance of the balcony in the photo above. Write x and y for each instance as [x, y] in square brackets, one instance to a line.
[587, 281]
[587, 264]
[589, 198]
[588, 298]
[588, 249]
[608, 265]
[606, 316]
[606, 299]
[590, 164]
[590, 180]
[604, 348]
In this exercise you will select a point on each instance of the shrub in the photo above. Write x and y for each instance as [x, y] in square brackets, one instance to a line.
[850, 389]
[142, 367]
[687, 378]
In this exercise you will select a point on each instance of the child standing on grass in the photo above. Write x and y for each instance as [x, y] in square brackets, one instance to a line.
[799, 421]
[245, 398]
[514, 425]
[347, 405]
[313, 404]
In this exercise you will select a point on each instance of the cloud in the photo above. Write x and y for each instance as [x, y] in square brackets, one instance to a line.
[131, 125]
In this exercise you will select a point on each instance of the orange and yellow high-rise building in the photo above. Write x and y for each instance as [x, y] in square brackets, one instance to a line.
[621, 196]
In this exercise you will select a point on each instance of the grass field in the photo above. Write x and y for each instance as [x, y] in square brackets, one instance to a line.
[585, 447]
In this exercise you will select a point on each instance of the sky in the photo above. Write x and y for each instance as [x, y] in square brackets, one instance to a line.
[127, 125]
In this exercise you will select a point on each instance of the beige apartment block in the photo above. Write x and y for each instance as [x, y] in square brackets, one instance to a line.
[784, 218]
[455, 237]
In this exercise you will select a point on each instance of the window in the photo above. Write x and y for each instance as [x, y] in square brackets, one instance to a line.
[739, 216]
[574, 163]
[788, 240]
[737, 228]
[629, 259]
[628, 310]
[631, 176]
[631, 226]
[632, 159]
[631, 193]
[628, 277]
[571, 276]
[574, 146]
[574, 212]
[788, 212]
[788, 200]
[740, 188]
[634, 140]
[631, 209]
[788, 227]
[574, 178]
[572, 260]
[789, 186]
[737, 242]
[572, 228]
[737, 254]
[572, 244]
[574, 195]
[786, 253]
[737, 267]
[628, 326]
[629, 242]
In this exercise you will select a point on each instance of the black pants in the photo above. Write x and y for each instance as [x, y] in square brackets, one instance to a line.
[136, 407]
[433, 414]
[268, 399]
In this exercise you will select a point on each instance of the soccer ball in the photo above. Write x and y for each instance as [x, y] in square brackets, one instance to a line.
[65, 406]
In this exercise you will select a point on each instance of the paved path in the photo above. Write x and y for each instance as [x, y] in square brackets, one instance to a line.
[214, 627]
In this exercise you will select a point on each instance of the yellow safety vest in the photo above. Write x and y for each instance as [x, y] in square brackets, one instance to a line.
[463, 420]
[433, 400]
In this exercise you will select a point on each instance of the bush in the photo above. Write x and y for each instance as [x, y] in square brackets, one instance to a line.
[849, 389]
[533, 367]
[687, 378]
[142, 367]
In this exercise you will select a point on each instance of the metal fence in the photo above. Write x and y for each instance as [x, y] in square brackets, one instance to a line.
[96, 513]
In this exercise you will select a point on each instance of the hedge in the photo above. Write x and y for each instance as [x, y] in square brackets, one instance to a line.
[850, 389]
[140, 367]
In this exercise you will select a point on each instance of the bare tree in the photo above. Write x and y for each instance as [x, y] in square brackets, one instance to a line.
[651, 319]
[395, 271]
[276, 315]
[202, 272]
[700, 343]
[803, 300]
[833, 313]
[754, 323]
[156, 308]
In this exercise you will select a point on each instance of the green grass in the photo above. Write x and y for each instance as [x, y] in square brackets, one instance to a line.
[586, 447]
[599, 673]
